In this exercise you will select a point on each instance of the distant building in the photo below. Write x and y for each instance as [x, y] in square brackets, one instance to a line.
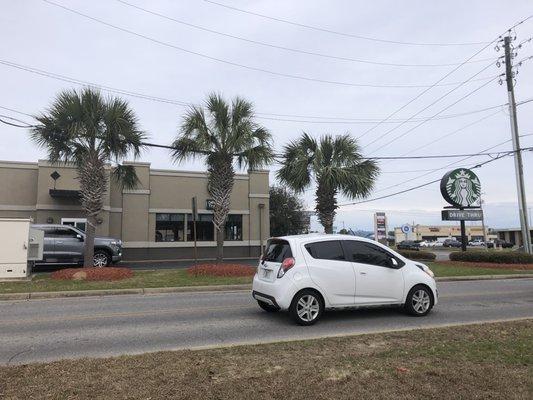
[433, 232]
[513, 235]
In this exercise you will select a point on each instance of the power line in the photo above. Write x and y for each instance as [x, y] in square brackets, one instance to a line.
[245, 66]
[315, 28]
[293, 50]
[427, 183]
[260, 115]
[435, 156]
[432, 116]
[438, 81]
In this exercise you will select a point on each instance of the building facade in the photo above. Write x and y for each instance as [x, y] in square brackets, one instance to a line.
[434, 232]
[513, 235]
[153, 220]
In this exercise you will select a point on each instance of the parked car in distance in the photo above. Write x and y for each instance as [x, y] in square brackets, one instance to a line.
[451, 243]
[476, 243]
[308, 274]
[408, 245]
[64, 245]
[499, 243]
[423, 243]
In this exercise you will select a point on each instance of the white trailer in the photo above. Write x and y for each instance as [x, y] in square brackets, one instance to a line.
[20, 245]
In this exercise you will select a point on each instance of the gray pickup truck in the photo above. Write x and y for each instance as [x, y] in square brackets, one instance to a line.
[65, 244]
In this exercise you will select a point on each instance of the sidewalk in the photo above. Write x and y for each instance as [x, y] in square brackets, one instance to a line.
[210, 288]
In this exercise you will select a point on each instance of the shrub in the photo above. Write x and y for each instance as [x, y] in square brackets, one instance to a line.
[418, 255]
[504, 257]
[92, 274]
[525, 267]
[221, 270]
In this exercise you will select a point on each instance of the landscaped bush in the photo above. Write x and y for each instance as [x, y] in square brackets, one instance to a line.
[418, 255]
[525, 267]
[504, 257]
[92, 274]
[221, 270]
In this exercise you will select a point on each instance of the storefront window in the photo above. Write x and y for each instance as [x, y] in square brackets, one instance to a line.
[234, 227]
[205, 230]
[169, 227]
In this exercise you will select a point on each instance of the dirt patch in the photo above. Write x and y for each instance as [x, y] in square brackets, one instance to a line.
[221, 269]
[487, 361]
[487, 265]
[92, 274]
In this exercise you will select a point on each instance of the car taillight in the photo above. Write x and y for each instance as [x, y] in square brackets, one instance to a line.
[287, 264]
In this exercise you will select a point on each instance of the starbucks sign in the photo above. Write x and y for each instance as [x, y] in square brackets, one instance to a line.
[461, 188]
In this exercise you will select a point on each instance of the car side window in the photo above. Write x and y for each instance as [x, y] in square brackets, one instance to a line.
[64, 233]
[367, 253]
[326, 250]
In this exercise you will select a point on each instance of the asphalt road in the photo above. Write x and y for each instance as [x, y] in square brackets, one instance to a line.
[45, 330]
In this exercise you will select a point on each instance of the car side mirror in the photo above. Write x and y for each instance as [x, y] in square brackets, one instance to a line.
[79, 237]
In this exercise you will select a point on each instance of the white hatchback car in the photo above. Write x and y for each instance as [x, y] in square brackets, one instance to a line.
[306, 274]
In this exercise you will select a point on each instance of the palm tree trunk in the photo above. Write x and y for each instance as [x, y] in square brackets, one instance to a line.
[326, 206]
[93, 183]
[219, 185]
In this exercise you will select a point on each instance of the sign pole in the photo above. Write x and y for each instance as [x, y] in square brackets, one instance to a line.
[463, 235]
[194, 217]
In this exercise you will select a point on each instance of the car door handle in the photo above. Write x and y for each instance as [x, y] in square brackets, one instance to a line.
[363, 273]
[59, 242]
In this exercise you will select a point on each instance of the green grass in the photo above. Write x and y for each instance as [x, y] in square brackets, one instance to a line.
[142, 279]
[446, 270]
[179, 277]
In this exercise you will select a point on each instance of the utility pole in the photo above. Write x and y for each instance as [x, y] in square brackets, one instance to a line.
[519, 169]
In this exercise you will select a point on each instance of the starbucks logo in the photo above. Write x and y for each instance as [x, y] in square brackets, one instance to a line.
[461, 188]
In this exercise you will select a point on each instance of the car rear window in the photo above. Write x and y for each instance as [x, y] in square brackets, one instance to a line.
[277, 251]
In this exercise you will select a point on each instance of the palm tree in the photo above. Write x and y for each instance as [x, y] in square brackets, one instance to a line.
[225, 135]
[335, 164]
[91, 132]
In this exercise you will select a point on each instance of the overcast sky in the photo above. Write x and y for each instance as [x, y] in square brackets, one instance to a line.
[42, 36]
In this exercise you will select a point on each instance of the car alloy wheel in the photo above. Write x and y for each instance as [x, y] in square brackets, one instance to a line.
[100, 260]
[421, 301]
[308, 308]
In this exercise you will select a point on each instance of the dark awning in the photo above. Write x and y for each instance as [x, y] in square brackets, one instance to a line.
[64, 194]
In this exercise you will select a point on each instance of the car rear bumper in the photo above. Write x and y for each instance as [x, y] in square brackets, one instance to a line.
[278, 293]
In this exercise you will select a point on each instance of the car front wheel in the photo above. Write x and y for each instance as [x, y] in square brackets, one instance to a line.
[306, 307]
[419, 301]
[100, 259]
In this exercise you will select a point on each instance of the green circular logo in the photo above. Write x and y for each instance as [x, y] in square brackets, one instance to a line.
[461, 188]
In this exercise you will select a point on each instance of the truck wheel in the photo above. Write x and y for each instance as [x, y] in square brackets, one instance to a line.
[100, 259]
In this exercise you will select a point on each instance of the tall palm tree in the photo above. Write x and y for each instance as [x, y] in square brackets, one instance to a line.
[83, 128]
[335, 164]
[224, 134]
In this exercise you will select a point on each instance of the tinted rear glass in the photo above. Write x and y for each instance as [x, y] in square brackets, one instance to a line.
[329, 250]
[277, 251]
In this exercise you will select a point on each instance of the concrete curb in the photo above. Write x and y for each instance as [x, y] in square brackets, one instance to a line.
[199, 289]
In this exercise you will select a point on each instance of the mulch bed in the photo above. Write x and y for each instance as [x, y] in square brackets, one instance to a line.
[221, 269]
[92, 274]
[488, 265]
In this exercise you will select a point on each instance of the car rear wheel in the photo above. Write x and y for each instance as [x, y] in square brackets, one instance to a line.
[267, 307]
[307, 307]
[100, 259]
[419, 301]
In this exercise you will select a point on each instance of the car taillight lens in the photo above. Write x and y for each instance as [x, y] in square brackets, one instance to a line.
[287, 264]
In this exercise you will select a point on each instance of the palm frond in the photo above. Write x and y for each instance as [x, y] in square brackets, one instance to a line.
[125, 176]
